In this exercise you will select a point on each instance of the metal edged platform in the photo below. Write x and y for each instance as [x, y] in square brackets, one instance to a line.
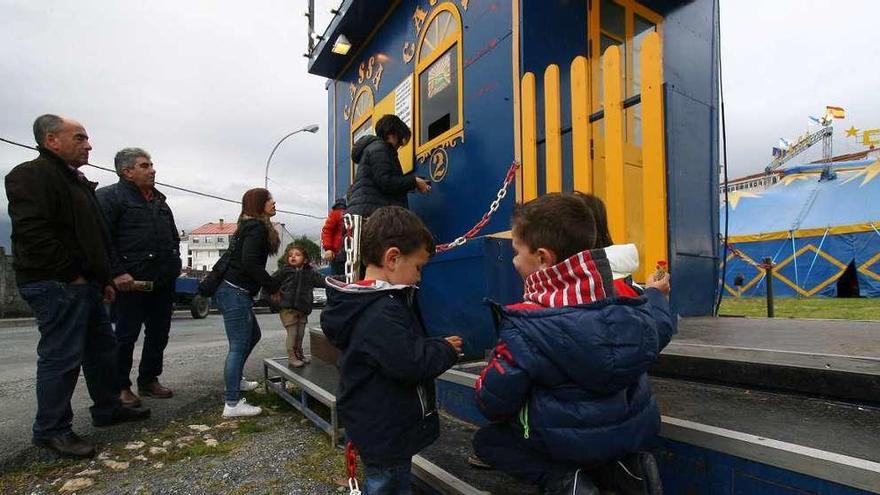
[818, 358]
[726, 433]
[315, 382]
[749, 406]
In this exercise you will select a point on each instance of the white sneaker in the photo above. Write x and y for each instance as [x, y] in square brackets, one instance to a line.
[241, 409]
[247, 386]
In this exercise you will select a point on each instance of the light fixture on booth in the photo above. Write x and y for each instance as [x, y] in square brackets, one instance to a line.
[342, 45]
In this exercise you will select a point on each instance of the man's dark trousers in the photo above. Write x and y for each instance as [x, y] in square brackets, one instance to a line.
[152, 310]
[74, 332]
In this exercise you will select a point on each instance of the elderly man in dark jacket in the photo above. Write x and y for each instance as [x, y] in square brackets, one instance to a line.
[379, 180]
[145, 262]
[62, 267]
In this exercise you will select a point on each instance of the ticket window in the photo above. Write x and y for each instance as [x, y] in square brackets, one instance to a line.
[438, 80]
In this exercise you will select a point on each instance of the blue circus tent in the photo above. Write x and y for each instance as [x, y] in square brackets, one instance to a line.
[812, 227]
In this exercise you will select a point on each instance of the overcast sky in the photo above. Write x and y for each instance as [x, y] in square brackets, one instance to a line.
[208, 87]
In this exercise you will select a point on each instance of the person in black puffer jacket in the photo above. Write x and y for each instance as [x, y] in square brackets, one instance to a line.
[298, 280]
[379, 180]
[255, 239]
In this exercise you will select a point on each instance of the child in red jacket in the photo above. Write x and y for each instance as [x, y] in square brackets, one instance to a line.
[331, 238]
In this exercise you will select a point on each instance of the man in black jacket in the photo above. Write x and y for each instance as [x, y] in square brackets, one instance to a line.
[379, 180]
[62, 267]
[144, 248]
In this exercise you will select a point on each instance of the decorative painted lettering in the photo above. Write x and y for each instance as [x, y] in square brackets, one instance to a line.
[409, 51]
[419, 17]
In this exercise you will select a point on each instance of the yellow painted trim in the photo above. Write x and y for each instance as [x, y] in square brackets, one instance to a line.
[799, 234]
[517, 97]
[581, 131]
[864, 267]
[614, 136]
[455, 39]
[530, 138]
[809, 247]
[754, 280]
[552, 130]
[654, 209]
[356, 122]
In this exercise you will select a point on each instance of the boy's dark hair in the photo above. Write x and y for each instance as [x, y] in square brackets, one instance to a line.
[560, 222]
[600, 213]
[393, 226]
[391, 124]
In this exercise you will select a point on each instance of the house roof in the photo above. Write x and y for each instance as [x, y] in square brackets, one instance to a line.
[216, 228]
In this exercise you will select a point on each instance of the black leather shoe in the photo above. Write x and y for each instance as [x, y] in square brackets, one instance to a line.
[123, 415]
[67, 445]
[632, 474]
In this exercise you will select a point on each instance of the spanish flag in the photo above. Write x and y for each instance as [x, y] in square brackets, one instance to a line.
[836, 112]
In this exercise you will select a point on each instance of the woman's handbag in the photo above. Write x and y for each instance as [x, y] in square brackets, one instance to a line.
[208, 286]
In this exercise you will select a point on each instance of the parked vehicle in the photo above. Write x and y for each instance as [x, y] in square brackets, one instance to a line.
[186, 295]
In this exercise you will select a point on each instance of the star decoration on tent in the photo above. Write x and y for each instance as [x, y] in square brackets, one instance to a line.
[852, 132]
[870, 172]
[788, 179]
[734, 197]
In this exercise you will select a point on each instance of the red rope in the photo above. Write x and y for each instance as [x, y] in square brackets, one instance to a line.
[351, 454]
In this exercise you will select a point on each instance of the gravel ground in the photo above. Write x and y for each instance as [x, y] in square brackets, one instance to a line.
[279, 452]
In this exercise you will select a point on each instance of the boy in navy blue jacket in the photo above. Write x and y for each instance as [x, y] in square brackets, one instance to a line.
[388, 363]
[567, 387]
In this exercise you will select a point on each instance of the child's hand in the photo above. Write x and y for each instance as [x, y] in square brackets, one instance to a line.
[455, 342]
[276, 299]
[660, 283]
[422, 185]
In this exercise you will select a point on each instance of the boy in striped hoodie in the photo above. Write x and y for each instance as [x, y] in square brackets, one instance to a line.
[567, 388]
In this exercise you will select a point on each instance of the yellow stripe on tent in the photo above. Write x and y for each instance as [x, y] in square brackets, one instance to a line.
[786, 234]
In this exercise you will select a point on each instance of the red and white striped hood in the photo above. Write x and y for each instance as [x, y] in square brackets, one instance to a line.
[582, 279]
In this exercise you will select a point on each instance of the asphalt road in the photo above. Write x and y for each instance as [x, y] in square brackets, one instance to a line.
[193, 369]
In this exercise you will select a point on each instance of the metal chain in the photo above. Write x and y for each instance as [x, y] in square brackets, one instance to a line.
[351, 243]
[493, 207]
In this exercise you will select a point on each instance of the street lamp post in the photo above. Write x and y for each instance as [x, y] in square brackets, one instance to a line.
[309, 128]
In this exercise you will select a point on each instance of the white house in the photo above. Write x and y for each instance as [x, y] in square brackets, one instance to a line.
[202, 247]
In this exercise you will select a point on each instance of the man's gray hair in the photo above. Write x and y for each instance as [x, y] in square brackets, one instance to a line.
[45, 125]
[126, 157]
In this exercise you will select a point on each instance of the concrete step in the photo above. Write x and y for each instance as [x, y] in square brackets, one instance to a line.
[824, 440]
[820, 358]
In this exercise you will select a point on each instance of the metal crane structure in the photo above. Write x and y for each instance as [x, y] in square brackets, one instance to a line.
[824, 134]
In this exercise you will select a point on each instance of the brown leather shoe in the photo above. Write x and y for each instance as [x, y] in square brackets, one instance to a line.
[129, 398]
[157, 390]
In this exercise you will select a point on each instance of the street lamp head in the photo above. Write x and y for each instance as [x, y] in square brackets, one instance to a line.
[311, 128]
